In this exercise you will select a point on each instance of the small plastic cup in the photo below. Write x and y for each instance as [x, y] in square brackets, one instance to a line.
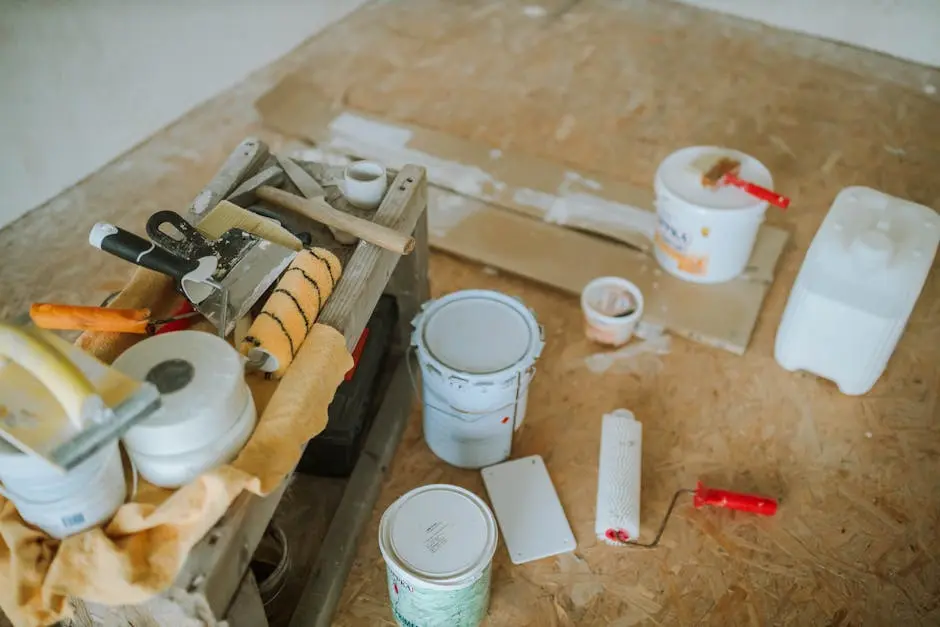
[612, 308]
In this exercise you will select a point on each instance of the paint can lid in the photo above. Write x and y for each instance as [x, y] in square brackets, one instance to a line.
[680, 174]
[201, 380]
[479, 332]
[439, 536]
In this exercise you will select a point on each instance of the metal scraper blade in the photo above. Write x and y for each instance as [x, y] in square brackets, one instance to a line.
[258, 269]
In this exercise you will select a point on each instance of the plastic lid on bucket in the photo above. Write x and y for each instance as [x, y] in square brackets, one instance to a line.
[680, 174]
[439, 536]
[479, 332]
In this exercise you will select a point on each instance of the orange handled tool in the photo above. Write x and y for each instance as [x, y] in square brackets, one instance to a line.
[78, 318]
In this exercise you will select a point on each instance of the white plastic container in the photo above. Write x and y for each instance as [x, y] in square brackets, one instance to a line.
[706, 235]
[612, 308]
[207, 411]
[857, 287]
[63, 503]
[365, 184]
[477, 350]
[438, 543]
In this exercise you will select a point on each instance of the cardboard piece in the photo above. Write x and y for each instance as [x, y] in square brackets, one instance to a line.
[536, 187]
[473, 184]
[720, 315]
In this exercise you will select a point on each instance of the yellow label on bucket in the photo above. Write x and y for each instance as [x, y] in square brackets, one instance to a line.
[690, 264]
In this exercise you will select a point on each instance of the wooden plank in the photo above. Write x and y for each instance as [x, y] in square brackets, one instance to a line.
[247, 610]
[366, 276]
[533, 186]
[720, 315]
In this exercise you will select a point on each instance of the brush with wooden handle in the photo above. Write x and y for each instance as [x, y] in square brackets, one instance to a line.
[227, 215]
[321, 211]
[725, 172]
[78, 318]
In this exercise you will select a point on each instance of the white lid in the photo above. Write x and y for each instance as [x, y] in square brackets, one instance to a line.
[680, 174]
[479, 332]
[201, 380]
[438, 535]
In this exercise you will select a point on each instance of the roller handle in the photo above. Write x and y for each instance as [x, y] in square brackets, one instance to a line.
[77, 318]
[734, 500]
[757, 191]
[139, 251]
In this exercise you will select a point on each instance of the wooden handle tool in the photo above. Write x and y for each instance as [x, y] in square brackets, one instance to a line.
[78, 318]
[321, 211]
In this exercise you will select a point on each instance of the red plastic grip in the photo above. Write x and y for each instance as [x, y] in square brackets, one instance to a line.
[757, 191]
[734, 500]
[178, 325]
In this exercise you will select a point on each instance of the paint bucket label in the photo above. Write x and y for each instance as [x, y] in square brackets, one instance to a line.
[415, 606]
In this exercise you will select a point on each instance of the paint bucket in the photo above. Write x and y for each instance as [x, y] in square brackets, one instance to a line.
[612, 308]
[63, 503]
[477, 350]
[438, 543]
[206, 415]
[705, 235]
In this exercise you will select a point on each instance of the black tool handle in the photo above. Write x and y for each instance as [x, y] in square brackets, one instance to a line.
[170, 231]
[139, 251]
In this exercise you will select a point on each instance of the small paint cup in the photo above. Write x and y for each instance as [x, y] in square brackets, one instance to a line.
[612, 308]
[365, 184]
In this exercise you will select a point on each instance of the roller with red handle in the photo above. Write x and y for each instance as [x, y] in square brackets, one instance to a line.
[701, 496]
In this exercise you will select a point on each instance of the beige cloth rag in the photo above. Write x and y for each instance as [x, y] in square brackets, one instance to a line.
[142, 550]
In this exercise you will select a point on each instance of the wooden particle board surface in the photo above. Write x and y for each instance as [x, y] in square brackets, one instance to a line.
[613, 87]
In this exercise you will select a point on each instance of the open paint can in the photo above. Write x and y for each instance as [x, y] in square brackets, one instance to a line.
[706, 235]
[612, 308]
[477, 350]
[438, 543]
[63, 503]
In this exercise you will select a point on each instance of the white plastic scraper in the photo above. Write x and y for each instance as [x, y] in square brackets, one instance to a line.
[618, 477]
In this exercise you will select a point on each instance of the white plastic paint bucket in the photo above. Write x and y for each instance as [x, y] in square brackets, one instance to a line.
[477, 350]
[706, 235]
[63, 503]
[207, 412]
[612, 308]
[438, 543]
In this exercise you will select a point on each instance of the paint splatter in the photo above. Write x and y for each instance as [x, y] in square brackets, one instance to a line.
[533, 10]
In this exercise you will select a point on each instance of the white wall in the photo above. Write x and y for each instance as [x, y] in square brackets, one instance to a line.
[81, 82]
[907, 29]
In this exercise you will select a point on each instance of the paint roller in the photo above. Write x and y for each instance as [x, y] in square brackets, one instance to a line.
[617, 519]
[290, 312]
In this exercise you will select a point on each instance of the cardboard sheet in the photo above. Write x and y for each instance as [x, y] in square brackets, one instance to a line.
[509, 211]
[533, 186]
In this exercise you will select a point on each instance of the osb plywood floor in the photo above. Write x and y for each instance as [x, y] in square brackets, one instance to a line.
[614, 87]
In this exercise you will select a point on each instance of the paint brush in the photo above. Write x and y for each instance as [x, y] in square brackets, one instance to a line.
[227, 215]
[725, 172]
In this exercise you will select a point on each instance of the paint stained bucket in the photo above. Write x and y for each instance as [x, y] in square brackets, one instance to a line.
[612, 308]
[477, 350]
[63, 503]
[706, 235]
[438, 543]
